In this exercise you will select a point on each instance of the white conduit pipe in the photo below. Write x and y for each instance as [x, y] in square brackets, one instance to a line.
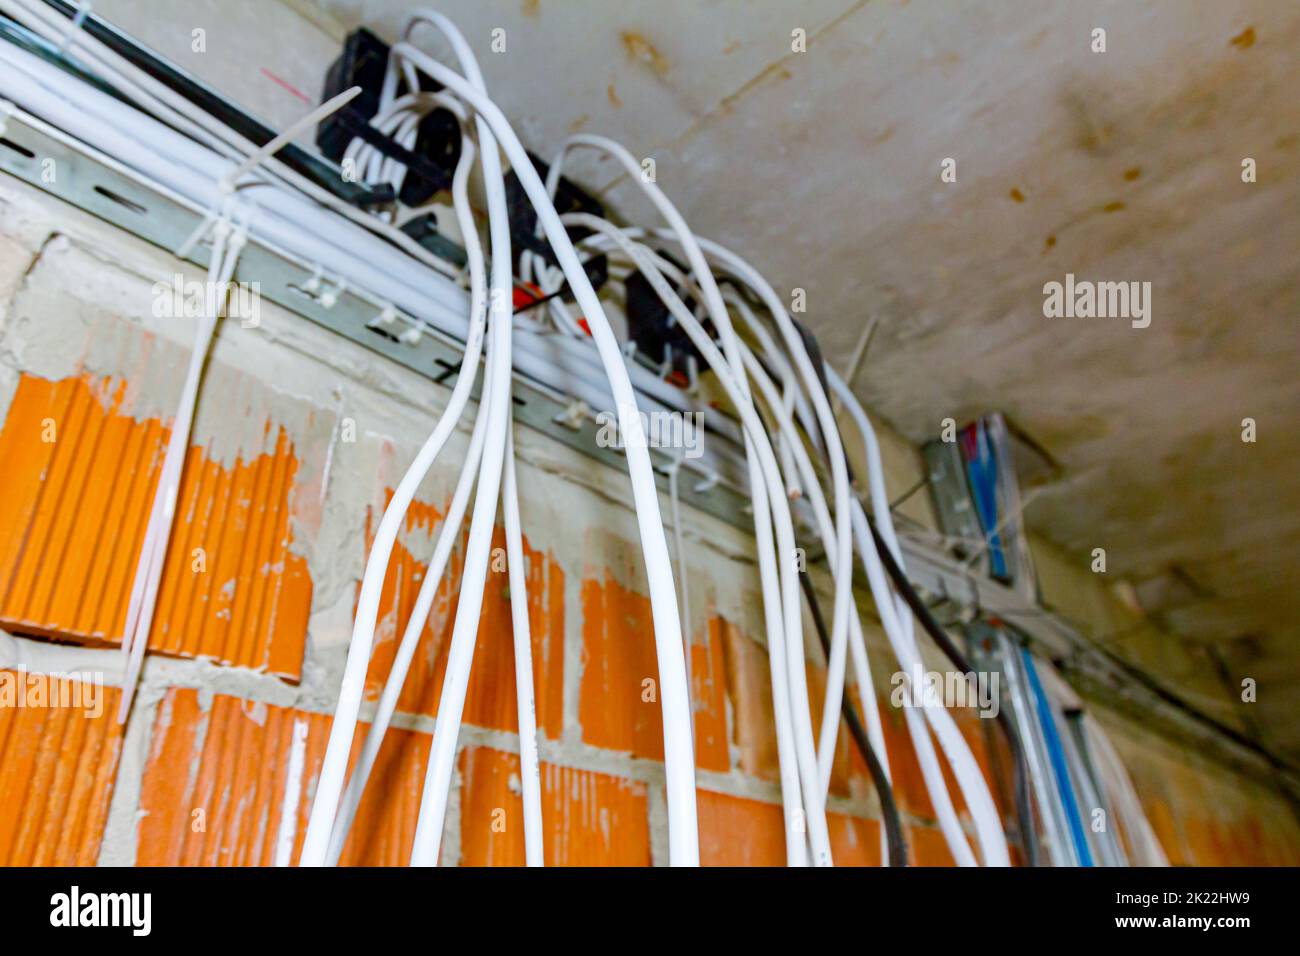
[969, 777]
[172, 108]
[769, 471]
[840, 481]
[529, 768]
[329, 787]
[285, 220]
[301, 229]
[364, 263]
[451, 524]
[469, 606]
[675, 701]
[861, 660]
[792, 638]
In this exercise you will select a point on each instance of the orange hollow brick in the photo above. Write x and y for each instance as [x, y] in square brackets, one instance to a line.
[79, 480]
[619, 692]
[58, 760]
[588, 818]
[230, 782]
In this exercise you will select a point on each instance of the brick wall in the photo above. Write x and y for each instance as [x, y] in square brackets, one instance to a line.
[219, 759]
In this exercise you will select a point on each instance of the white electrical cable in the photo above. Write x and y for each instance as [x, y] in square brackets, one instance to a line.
[529, 769]
[824, 751]
[451, 702]
[451, 524]
[792, 640]
[861, 659]
[970, 779]
[1144, 845]
[678, 745]
[321, 822]
[149, 566]
[839, 474]
[448, 535]
[764, 457]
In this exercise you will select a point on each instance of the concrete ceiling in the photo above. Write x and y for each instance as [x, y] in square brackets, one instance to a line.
[823, 167]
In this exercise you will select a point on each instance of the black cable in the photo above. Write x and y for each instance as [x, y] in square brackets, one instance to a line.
[888, 806]
[1024, 814]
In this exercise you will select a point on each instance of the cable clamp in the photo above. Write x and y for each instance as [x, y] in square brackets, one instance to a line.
[211, 218]
[84, 7]
[574, 415]
[384, 319]
[312, 285]
[330, 297]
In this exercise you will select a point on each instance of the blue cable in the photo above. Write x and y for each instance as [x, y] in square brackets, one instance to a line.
[981, 473]
[1057, 755]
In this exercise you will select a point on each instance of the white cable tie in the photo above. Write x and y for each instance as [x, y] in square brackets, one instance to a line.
[708, 484]
[229, 182]
[574, 415]
[196, 236]
[84, 7]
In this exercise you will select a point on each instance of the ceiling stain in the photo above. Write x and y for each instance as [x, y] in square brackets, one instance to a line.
[1016, 194]
[612, 95]
[1115, 206]
[1088, 107]
[1132, 174]
[531, 8]
[1244, 40]
[641, 50]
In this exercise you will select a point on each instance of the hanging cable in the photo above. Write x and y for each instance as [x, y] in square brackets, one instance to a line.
[149, 567]
[1055, 752]
[884, 790]
[969, 776]
[679, 748]
[329, 787]
[803, 804]
[1024, 813]
[451, 524]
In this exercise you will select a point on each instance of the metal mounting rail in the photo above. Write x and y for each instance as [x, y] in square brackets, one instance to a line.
[100, 185]
[1093, 671]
